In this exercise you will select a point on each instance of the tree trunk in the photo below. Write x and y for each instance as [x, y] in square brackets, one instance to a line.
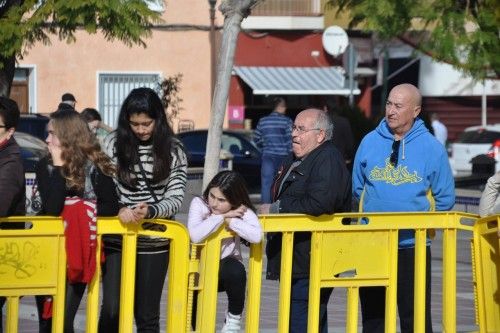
[234, 12]
[7, 68]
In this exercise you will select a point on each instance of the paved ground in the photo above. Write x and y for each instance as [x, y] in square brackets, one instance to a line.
[336, 309]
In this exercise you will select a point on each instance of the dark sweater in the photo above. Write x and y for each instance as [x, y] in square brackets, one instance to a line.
[53, 191]
[12, 183]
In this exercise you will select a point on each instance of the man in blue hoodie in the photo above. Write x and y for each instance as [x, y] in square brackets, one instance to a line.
[400, 166]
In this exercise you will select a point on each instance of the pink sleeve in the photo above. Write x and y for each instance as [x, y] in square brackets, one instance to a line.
[247, 227]
[201, 223]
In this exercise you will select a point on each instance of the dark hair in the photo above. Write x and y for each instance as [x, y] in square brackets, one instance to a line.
[233, 186]
[90, 114]
[143, 101]
[68, 97]
[9, 111]
[65, 107]
[277, 101]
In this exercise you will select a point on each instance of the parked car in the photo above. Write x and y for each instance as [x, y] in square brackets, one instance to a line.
[34, 124]
[32, 149]
[474, 141]
[246, 156]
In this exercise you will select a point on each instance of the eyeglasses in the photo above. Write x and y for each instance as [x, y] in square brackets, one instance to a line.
[3, 126]
[302, 130]
[395, 152]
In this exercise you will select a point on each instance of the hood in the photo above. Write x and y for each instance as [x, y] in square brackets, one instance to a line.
[416, 130]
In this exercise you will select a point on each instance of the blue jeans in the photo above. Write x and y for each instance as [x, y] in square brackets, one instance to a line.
[299, 306]
[269, 168]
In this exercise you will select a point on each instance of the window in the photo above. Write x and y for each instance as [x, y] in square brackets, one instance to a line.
[114, 88]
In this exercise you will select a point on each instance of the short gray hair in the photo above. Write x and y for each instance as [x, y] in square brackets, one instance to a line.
[324, 122]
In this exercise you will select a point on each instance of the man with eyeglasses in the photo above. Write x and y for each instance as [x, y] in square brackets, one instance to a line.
[313, 180]
[401, 167]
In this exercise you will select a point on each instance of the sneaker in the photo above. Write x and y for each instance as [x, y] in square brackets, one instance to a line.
[232, 324]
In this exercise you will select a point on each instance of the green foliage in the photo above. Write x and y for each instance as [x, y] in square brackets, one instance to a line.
[23, 23]
[462, 33]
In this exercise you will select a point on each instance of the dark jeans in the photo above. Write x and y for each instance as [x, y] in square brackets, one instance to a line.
[299, 306]
[151, 270]
[232, 280]
[373, 298]
[269, 168]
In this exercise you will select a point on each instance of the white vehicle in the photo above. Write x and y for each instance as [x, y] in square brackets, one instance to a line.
[473, 141]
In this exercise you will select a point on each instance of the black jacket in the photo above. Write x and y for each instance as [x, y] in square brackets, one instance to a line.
[53, 191]
[12, 183]
[319, 185]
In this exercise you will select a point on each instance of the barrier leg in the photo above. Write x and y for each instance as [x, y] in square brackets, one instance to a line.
[419, 281]
[352, 309]
[285, 282]
[127, 288]
[12, 313]
[449, 280]
[254, 287]
[93, 293]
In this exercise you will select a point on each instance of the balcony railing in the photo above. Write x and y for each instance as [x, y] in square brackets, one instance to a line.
[288, 8]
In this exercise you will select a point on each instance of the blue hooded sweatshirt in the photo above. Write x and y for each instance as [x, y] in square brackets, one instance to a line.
[420, 181]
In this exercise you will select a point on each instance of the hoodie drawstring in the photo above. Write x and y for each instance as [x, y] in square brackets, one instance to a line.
[403, 149]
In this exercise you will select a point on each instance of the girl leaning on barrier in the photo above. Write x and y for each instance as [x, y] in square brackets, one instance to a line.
[75, 182]
[226, 202]
[151, 179]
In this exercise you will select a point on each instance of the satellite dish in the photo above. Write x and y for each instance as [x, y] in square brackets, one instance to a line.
[335, 40]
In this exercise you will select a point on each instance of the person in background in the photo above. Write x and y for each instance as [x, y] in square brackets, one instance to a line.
[226, 202]
[68, 99]
[342, 133]
[94, 120]
[440, 131]
[489, 204]
[12, 182]
[274, 136]
[75, 182]
[401, 167]
[314, 180]
[151, 179]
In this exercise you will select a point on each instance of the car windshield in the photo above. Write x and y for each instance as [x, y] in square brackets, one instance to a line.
[478, 136]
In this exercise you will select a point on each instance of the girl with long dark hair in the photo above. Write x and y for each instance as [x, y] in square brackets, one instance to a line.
[151, 178]
[226, 202]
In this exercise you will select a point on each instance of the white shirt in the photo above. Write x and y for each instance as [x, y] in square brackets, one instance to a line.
[440, 131]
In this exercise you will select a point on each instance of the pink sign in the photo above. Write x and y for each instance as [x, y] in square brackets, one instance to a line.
[236, 113]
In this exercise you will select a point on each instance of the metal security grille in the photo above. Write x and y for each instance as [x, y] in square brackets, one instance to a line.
[114, 88]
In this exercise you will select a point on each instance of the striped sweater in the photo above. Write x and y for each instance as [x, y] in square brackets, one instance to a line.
[169, 192]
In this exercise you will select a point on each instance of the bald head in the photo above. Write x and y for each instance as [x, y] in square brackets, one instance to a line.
[402, 107]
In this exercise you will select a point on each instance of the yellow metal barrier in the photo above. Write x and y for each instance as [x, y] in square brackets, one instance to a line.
[32, 262]
[35, 264]
[369, 253]
[177, 273]
[486, 261]
[206, 267]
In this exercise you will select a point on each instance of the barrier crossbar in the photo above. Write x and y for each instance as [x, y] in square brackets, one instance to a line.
[486, 267]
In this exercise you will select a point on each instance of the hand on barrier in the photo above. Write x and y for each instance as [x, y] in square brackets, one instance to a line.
[264, 208]
[133, 215]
